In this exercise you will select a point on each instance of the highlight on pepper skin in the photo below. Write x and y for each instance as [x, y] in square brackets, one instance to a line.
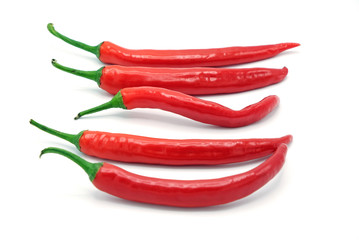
[177, 193]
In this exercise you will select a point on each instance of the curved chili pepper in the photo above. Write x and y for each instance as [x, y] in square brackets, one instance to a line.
[179, 193]
[139, 149]
[193, 81]
[187, 106]
[110, 53]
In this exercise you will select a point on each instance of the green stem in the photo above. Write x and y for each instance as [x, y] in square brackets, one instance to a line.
[90, 168]
[115, 102]
[72, 138]
[93, 75]
[92, 49]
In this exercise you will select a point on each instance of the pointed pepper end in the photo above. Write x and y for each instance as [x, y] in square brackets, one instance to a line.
[50, 26]
[274, 98]
[42, 152]
[287, 139]
[284, 71]
[292, 45]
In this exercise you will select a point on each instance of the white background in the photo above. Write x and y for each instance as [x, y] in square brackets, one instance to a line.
[314, 196]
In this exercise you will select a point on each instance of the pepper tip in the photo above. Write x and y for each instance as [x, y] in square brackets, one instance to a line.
[285, 70]
[50, 26]
[42, 153]
[288, 139]
[77, 116]
[275, 99]
[293, 45]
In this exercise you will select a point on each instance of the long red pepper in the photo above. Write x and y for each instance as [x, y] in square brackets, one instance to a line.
[139, 149]
[110, 53]
[179, 193]
[193, 81]
[187, 106]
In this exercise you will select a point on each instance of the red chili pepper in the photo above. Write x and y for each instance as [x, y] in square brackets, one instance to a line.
[187, 106]
[110, 53]
[193, 81]
[139, 149]
[179, 193]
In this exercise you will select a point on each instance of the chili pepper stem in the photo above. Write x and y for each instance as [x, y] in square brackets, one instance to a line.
[90, 168]
[72, 138]
[92, 49]
[115, 102]
[92, 75]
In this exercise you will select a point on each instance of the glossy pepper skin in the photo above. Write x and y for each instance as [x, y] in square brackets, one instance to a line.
[192, 81]
[130, 148]
[188, 106]
[139, 149]
[178, 193]
[110, 53]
